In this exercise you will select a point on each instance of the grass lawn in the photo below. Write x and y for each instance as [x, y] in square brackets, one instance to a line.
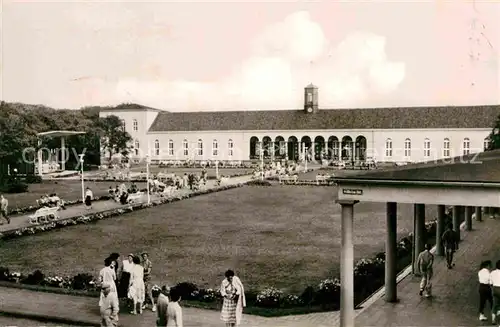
[67, 190]
[282, 236]
[181, 171]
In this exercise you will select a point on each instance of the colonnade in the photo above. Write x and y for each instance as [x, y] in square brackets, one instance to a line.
[459, 214]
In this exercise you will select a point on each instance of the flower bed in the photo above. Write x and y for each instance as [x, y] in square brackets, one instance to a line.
[368, 278]
[85, 219]
[24, 210]
[142, 180]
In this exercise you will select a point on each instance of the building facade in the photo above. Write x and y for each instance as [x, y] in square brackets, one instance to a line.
[380, 134]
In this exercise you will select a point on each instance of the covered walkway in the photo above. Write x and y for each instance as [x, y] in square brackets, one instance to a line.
[471, 184]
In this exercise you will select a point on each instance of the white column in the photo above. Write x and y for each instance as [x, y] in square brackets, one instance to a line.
[347, 265]
[40, 158]
[63, 154]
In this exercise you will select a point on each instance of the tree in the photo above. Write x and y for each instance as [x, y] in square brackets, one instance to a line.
[14, 137]
[494, 137]
[114, 138]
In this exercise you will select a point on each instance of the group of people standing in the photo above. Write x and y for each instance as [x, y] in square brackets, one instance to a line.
[130, 280]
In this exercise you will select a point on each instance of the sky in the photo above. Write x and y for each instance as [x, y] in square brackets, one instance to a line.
[221, 55]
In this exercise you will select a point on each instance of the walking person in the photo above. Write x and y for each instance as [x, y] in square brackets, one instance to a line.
[148, 266]
[109, 307]
[162, 306]
[425, 261]
[484, 288]
[89, 196]
[495, 286]
[4, 206]
[174, 310]
[233, 294]
[107, 276]
[450, 243]
[136, 286]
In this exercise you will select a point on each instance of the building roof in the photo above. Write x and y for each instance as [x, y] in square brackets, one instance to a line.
[377, 118]
[476, 168]
[129, 107]
[60, 133]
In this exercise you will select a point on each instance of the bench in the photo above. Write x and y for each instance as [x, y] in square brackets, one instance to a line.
[43, 215]
[288, 179]
[135, 197]
[320, 179]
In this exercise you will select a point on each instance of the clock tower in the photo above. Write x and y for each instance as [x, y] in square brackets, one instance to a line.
[311, 99]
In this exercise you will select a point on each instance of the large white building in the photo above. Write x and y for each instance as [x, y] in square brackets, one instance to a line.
[382, 134]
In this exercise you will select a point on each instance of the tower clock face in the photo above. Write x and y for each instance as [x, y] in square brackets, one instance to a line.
[309, 109]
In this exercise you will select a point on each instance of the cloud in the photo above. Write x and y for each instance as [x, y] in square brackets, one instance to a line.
[286, 57]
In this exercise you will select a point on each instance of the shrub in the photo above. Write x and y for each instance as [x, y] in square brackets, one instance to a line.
[36, 278]
[4, 274]
[33, 179]
[270, 298]
[187, 290]
[259, 182]
[208, 295]
[307, 297]
[83, 282]
[328, 292]
[13, 186]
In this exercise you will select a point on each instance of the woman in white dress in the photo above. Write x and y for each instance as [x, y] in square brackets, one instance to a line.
[174, 310]
[107, 276]
[136, 289]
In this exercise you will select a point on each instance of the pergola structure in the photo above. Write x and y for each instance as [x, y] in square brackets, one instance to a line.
[470, 184]
[62, 135]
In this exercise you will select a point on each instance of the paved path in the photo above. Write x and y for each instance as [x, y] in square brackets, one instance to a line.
[455, 292]
[451, 306]
[20, 221]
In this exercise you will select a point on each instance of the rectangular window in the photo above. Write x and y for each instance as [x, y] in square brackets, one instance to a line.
[388, 148]
[171, 148]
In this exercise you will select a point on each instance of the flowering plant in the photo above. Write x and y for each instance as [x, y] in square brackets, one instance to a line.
[270, 297]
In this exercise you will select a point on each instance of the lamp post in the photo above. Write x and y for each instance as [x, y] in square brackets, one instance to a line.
[147, 177]
[261, 161]
[81, 173]
[304, 155]
[217, 169]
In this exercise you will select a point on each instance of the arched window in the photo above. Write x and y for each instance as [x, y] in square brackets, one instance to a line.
[135, 125]
[136, 147]
[388, 148]
[486, 145]
[446, 148]
[157, 148]
[466, 146]
[230, 147]
[215, 148]
[185, 148]
[407, 148]
[427, 148]
[200, 147]
[170, 147]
